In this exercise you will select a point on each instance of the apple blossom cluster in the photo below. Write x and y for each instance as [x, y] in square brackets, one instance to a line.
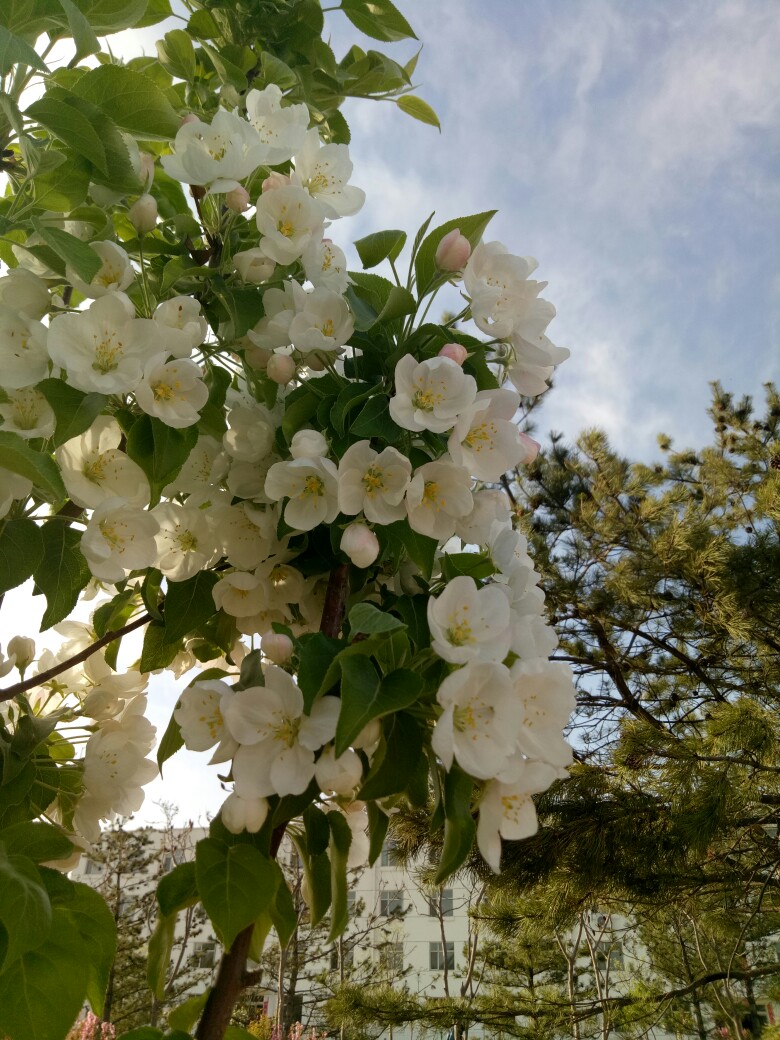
[287, 462]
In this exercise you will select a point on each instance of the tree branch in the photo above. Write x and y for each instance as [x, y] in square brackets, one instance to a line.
[38, 680]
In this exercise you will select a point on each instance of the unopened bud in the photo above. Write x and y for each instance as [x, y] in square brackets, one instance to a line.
[369, 736]
[23, 649]
[146, 169]
[275, 180]
[338, 775]
[280, 368]
[455, 352]
[143, 214]
[531, 448]
[360, 544]
[308, 444]
[189, 118]
[253, 266]
[453, 251]
[244, 814]
[315, 363]
[257, 357]
[277, 647]
[237, 199]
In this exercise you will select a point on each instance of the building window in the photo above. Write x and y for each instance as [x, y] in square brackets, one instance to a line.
[205, 954]
[441, 957]
[347, 953]
[91, 867]
[167, 863]
[391, 902]
[609, 956]
[389, 856]
[391, 956]
[441, 902]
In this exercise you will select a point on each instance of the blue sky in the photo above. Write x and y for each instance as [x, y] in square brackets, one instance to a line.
[633, 149]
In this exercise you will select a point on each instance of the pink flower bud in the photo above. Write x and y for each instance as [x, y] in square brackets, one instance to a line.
[189, 118]
[277, 647]
[453, 251]
[143, 214]
[455, 352]
[280, 368]
[531, 448]
[237, 199]
[360, 544]
[275, 180]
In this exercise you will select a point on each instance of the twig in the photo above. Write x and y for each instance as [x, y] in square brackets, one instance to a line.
[38, 680]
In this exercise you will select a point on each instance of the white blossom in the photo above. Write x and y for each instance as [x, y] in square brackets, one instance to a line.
[247, 536]
[324, 323]
[172, 391]
[205, 467]
[489, 506]
[481, 720]
[183, 325]
[240, 594]
[281, 129]
[431, 394]
[253, 266]
[104, 348]
[288, 219]
[504, 299]
[309, 444]
[13, 486]
[469, 623]
[534, 363]
[310, 485]
[219, 154]
[439, 493]
[199, 713]
[93, 468]
[243, 814]
[28, 414]
[546, 692]
[506, 810]
[325, 265]
[115, 275]
[485, 439]
[251, 430]
[373, 482]
[25, 293]
[185, 541]
[24, 359]
[340, 775]
[281, 306]
[323, 170]
[119, 538]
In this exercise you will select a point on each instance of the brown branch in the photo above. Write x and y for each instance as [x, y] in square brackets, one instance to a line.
[335, 601]
[615, 673]
[232, 971]
[38, 680]
[233, 975]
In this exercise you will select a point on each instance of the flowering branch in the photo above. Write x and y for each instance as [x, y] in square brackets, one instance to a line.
[335, 601]
[38, 680]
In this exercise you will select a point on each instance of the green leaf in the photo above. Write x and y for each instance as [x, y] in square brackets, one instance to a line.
[38, 841]
[142, 1033]
[378, 822]
[382, 245]
[418, 109]
[403, 747]
[374, 421]
[274, 70]
[21, 549]
[177, 890]
[131, 99]
[62, 573]
[188, 604]
[17, 455]
[298, 412]
[316, 871]
[25, 910]
[177, 54]
[187, 1013]
[471, 228]
[156, 652]
[394, 652]
[110, 16]
[42, 992]
[159, 955]
[77, 254]
[160, 450]
[349, 398]
[340, 841]
[172, 741]
[16, 51]
[85, 39]
[365, 617]
[379, 19]
[225, 69]
[236, 885]
[283, 914]
[459, 826]
[62, 189]
[361, 701]
[399, 302]
[419, 547]
[74, 411]
[94, 925]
